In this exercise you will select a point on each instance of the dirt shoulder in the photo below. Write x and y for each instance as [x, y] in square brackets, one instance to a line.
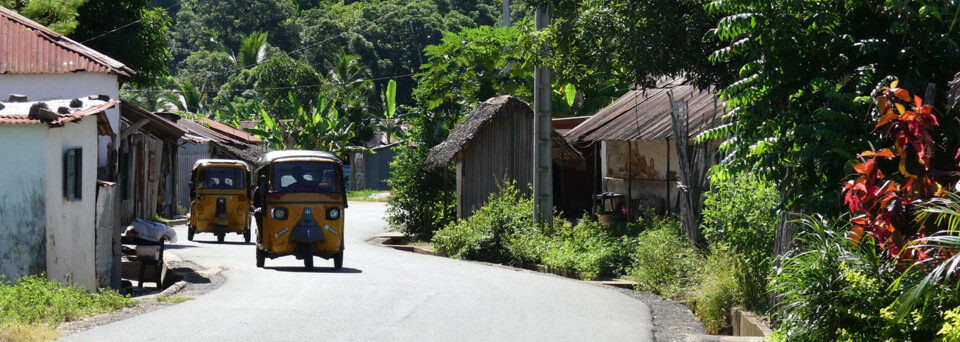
[196, 282]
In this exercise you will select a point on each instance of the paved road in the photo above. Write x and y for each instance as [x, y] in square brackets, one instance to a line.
[381, 294]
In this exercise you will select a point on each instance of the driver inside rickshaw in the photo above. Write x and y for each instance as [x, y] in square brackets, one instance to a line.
[219, 179]
[302, 182]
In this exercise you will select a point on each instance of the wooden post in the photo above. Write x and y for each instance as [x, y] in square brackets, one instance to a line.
[629, 180]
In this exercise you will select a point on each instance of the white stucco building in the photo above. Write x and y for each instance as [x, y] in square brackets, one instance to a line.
[48, 190]
[45, 229]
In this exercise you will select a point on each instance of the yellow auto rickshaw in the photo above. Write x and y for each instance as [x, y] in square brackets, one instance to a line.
[300, 200]
[220, 198]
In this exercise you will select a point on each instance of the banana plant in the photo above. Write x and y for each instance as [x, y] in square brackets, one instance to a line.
[389, 118]
[314, 128]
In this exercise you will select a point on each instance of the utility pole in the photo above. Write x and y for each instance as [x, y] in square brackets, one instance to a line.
[543, 127]
[506, 13]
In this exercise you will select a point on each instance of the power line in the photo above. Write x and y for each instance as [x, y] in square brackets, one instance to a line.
[287, 87]
[127, 25]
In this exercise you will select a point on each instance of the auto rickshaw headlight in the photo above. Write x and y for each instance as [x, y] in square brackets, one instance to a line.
[279, 213]
[200, 197]
[333, 213]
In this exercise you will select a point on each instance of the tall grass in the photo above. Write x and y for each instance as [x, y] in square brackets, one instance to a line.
[33, 304]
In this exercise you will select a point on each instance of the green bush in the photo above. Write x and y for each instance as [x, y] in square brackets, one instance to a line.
[831, 291]
[717, 292]
[588, 249]
[664, 263]
[34, 299]
[739, 215]
[483, 235]
[421, 198]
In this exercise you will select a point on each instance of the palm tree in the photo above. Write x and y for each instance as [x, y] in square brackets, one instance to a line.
[187, 99]
[252, 50]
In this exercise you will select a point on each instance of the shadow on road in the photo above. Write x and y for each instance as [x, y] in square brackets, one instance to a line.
[190, 275]
[301, 269]
[173, 246]
[214, 242]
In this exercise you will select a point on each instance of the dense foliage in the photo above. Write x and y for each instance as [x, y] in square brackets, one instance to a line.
[131, 31]
[643, 39]
[808, 71]
[485, 234]
[423, 201]
[831, 291]
[739, 217]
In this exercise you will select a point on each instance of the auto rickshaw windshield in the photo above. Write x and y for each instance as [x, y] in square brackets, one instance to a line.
[220, 178]
[305, 177]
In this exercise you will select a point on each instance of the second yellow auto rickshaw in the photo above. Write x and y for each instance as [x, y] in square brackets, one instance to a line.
[300, 201]
[220, 198]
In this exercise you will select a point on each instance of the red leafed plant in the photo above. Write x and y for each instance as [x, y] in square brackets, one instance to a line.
[884, 204]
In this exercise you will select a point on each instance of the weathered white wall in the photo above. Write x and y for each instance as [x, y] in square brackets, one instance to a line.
[22, 207]
[648, 173]
[71, 231]
[67, 86]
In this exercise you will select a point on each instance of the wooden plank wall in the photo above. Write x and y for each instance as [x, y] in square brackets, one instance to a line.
[502, 148]
[145, 155]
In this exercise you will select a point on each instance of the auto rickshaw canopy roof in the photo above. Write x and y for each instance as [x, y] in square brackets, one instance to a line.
[221, 162]
[270, 157]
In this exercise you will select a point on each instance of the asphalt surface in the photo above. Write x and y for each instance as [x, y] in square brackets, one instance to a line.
[380, 294]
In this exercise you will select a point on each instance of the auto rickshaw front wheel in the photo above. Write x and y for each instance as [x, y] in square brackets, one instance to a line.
[338, 260]
[190, 232]
[261, 257]
[221, 236]
[306, 251]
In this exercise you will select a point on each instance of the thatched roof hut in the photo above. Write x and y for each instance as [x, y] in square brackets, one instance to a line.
[495, 141]
[443, 154]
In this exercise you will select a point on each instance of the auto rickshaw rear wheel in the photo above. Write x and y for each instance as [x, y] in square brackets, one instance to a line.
[246, 236]
[261, 257]
[338, 260]
[221, 237]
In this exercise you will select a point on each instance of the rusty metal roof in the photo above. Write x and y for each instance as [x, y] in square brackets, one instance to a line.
[645, 115]
[103, 127]
[233, 132]
[155, 123]
[27, 47]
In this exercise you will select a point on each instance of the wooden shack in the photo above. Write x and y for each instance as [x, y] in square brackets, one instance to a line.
[148, 159]
[493, 142]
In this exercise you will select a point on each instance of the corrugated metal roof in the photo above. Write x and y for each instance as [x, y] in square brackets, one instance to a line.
[645, 115]
[63, 119]
[235, 133]
[156, 123]
[200, 129]
[27, 47]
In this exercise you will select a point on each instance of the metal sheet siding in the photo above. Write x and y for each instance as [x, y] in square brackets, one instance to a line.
[188, 154]
[27, 47]
[377, 168]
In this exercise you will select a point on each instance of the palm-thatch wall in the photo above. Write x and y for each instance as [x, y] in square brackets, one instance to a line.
[495, 141]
